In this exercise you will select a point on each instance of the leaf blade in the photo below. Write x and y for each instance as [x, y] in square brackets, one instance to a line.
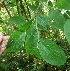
[67, 30]
[51, 53]
[16, 41]
[63, 4]
[31, 42]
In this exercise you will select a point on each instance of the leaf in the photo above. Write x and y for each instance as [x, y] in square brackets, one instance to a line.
[24, 26]
[50, 4]
[63, 4]
[17, 20]
[16, 41]
[44, 0]
[54, 19]
[33, 7]
[51, 53]
[42, 21]
[31, 42]
[66, 16]
[3, 66]
[67, 30]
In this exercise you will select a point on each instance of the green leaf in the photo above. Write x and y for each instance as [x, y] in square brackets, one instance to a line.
[42, 21]
[63, 4]
[50, 4]
[54, 19]
[17, 20]
[16, 41]
[44, 0]
[31, 42]
[51, 53]
[3, 66]
[24, 26]
[33, 7]
[66, 16]
[67, 30]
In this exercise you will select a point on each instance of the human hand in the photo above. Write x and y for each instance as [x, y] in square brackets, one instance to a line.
[3, 42]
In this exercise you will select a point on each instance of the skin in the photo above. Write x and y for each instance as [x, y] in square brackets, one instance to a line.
[3, 42]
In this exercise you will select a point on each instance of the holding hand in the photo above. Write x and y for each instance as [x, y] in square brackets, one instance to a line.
[3, 42]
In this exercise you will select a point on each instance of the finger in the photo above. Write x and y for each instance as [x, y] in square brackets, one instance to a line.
[3, 45]
[6, 38]
[1, 36]
[4, 41]
[2, 49]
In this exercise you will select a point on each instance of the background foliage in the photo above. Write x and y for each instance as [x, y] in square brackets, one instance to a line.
[39, 35]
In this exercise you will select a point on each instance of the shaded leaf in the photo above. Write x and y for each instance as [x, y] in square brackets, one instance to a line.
[24, 26]
[17, 20]
[50, 4]
[33, 7]
[67, 30]
[16, 41]
[31, 42]
[4, 66]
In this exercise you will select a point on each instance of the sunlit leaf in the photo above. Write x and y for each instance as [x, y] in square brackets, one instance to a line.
[63, 4]
[51, 53]
[42, 21]
[54, 19]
